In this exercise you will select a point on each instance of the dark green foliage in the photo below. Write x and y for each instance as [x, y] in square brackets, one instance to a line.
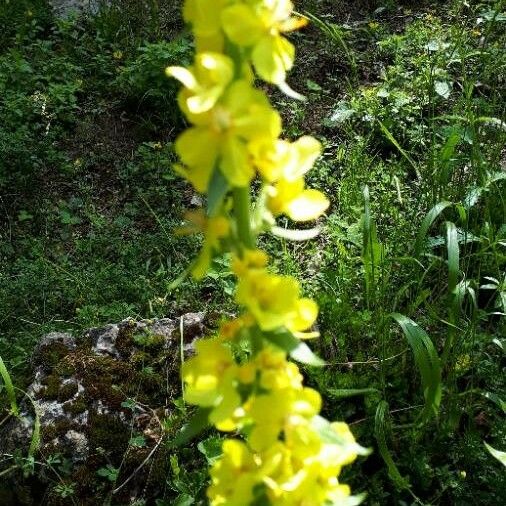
[408, 98]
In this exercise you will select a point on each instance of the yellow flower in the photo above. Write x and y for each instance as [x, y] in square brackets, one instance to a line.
[204, 15]
[204, 82]
[275, 158]
[276, 372]
[284, 164]
[221, 136]
[281, 411]
[233, 476]
[290, 197]
[250, 259]
[259, 24]
[209, 377]
[214, 229]
[270, 298]
[304, 317]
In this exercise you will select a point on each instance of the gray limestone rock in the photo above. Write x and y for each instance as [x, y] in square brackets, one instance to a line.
[93, 391]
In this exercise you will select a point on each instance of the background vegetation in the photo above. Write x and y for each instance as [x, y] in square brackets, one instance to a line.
[409, 100]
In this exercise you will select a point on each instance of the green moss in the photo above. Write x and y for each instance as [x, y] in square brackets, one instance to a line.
[76, 407]
[107, 431]
[124, 340]
[65, 369]
[67, 391]
[140, 358]
[52, 354]
[104, 377]
[58, 429]
[51, 387]
[149, 340]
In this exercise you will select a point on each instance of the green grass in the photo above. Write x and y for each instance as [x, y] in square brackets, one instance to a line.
[409, 103]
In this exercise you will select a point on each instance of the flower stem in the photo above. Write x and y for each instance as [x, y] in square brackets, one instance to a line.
[242, 205]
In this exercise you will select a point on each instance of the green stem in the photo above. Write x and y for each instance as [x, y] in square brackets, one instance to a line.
[242, 206]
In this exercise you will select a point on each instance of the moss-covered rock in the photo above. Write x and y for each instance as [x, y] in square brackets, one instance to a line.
[92, 393]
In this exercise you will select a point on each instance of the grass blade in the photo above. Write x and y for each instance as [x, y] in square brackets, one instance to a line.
[427, 222]
[343, 393]
[452, 247]
[380, 429]
[9, 388]
[392, 139]
[500, 456]
[427, 361]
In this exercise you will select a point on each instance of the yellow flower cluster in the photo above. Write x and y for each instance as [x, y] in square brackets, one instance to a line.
[287, 453]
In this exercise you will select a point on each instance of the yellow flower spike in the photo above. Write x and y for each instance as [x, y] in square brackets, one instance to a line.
[204, 82]
[259, 25]
[235, 130]
[270, 298]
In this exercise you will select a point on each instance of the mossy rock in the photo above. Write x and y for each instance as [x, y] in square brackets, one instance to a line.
[93, 393]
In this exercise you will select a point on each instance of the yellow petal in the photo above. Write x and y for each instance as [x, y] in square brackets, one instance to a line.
[308, 150]
[214, 42]
[305, 315]
[272, 157]
[204, 100]
[183, 75]
[272, 57]
[241, 24]
[292, 23]
[197, 148]
[309, 205]
[235, 163]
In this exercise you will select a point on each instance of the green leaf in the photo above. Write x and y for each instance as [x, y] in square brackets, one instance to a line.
[211, 449]
[442, 88]
[495, 399]
[341, 113]
[198, 422]
[427, 223]
[329, 435]
[218, 188]
[137, 441]
[427, 361]
[380, 429]
[184, 500]
[297, 349]
[500, 456]
[9, 388]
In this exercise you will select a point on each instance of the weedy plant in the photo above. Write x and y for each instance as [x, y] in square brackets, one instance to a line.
[288, 453]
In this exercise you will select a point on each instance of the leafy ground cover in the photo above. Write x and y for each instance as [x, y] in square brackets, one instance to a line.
[409, 268]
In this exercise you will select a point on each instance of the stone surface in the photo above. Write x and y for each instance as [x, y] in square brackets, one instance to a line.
[65, 8]
[93, 393]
